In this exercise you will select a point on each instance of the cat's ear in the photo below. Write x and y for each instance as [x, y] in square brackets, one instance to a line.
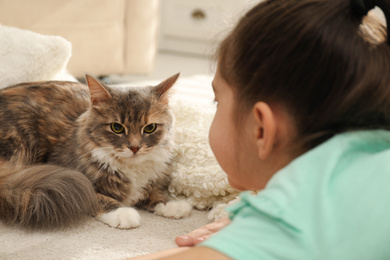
[98, 93]
[162, 89]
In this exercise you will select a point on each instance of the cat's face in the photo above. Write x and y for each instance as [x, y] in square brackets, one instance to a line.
[129, 125]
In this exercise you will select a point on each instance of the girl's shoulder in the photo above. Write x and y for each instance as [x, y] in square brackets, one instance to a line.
[325, 197]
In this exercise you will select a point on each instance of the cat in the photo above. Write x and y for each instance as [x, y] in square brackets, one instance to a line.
[68, 150]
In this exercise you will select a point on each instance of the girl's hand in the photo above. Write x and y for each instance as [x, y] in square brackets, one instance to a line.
[199, 235]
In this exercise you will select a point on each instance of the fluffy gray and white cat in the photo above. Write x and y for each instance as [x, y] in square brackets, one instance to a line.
[67, 150]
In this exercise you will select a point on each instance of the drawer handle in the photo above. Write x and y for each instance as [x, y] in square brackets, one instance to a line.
[198, 14]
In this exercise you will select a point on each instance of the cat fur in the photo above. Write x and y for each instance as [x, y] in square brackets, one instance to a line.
[60, 161]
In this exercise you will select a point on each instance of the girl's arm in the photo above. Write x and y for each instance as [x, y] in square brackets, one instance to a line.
[202, 233]
[187, 253]
[191, 239]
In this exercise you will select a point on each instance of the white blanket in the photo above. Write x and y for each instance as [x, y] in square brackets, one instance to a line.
[28, 56]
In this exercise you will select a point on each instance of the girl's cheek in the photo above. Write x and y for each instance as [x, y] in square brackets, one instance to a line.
[218, 142]
[212, 136]
[216, 138]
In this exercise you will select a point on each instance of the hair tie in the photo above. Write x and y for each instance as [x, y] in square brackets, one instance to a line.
[362, 7]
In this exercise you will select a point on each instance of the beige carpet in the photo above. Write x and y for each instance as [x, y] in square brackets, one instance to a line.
[94, 240]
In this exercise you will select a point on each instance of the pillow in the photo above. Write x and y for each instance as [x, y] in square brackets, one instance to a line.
[28, 56]
[196, 174]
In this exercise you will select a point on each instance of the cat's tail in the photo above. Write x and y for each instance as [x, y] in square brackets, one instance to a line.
[45, 196]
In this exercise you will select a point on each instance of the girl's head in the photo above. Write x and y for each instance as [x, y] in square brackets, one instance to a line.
[317, 65]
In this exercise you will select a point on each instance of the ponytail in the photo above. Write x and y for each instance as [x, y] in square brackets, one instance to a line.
[362, 7]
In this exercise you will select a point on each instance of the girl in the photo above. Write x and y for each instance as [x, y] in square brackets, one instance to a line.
[303, 93]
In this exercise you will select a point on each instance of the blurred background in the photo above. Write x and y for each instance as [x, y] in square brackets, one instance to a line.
[131, 40]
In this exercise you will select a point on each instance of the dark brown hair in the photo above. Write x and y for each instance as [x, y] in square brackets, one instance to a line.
[317, 60]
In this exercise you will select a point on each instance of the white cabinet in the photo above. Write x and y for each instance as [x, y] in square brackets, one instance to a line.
[196, 26]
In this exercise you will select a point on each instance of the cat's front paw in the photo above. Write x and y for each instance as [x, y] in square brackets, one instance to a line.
[124, 218]
[173, 209]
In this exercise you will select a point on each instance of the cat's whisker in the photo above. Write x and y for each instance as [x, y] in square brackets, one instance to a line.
[124, 155]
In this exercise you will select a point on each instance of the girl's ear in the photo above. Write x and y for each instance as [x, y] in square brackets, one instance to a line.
[162, 88]
[265, 127]
[98, 93]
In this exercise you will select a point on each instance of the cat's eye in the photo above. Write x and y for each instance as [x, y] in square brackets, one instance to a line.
[117, 128]
[150, 128]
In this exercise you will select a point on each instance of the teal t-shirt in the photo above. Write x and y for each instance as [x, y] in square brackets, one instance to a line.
[331, 203]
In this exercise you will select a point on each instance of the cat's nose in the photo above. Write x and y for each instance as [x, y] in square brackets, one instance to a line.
[135, 149]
